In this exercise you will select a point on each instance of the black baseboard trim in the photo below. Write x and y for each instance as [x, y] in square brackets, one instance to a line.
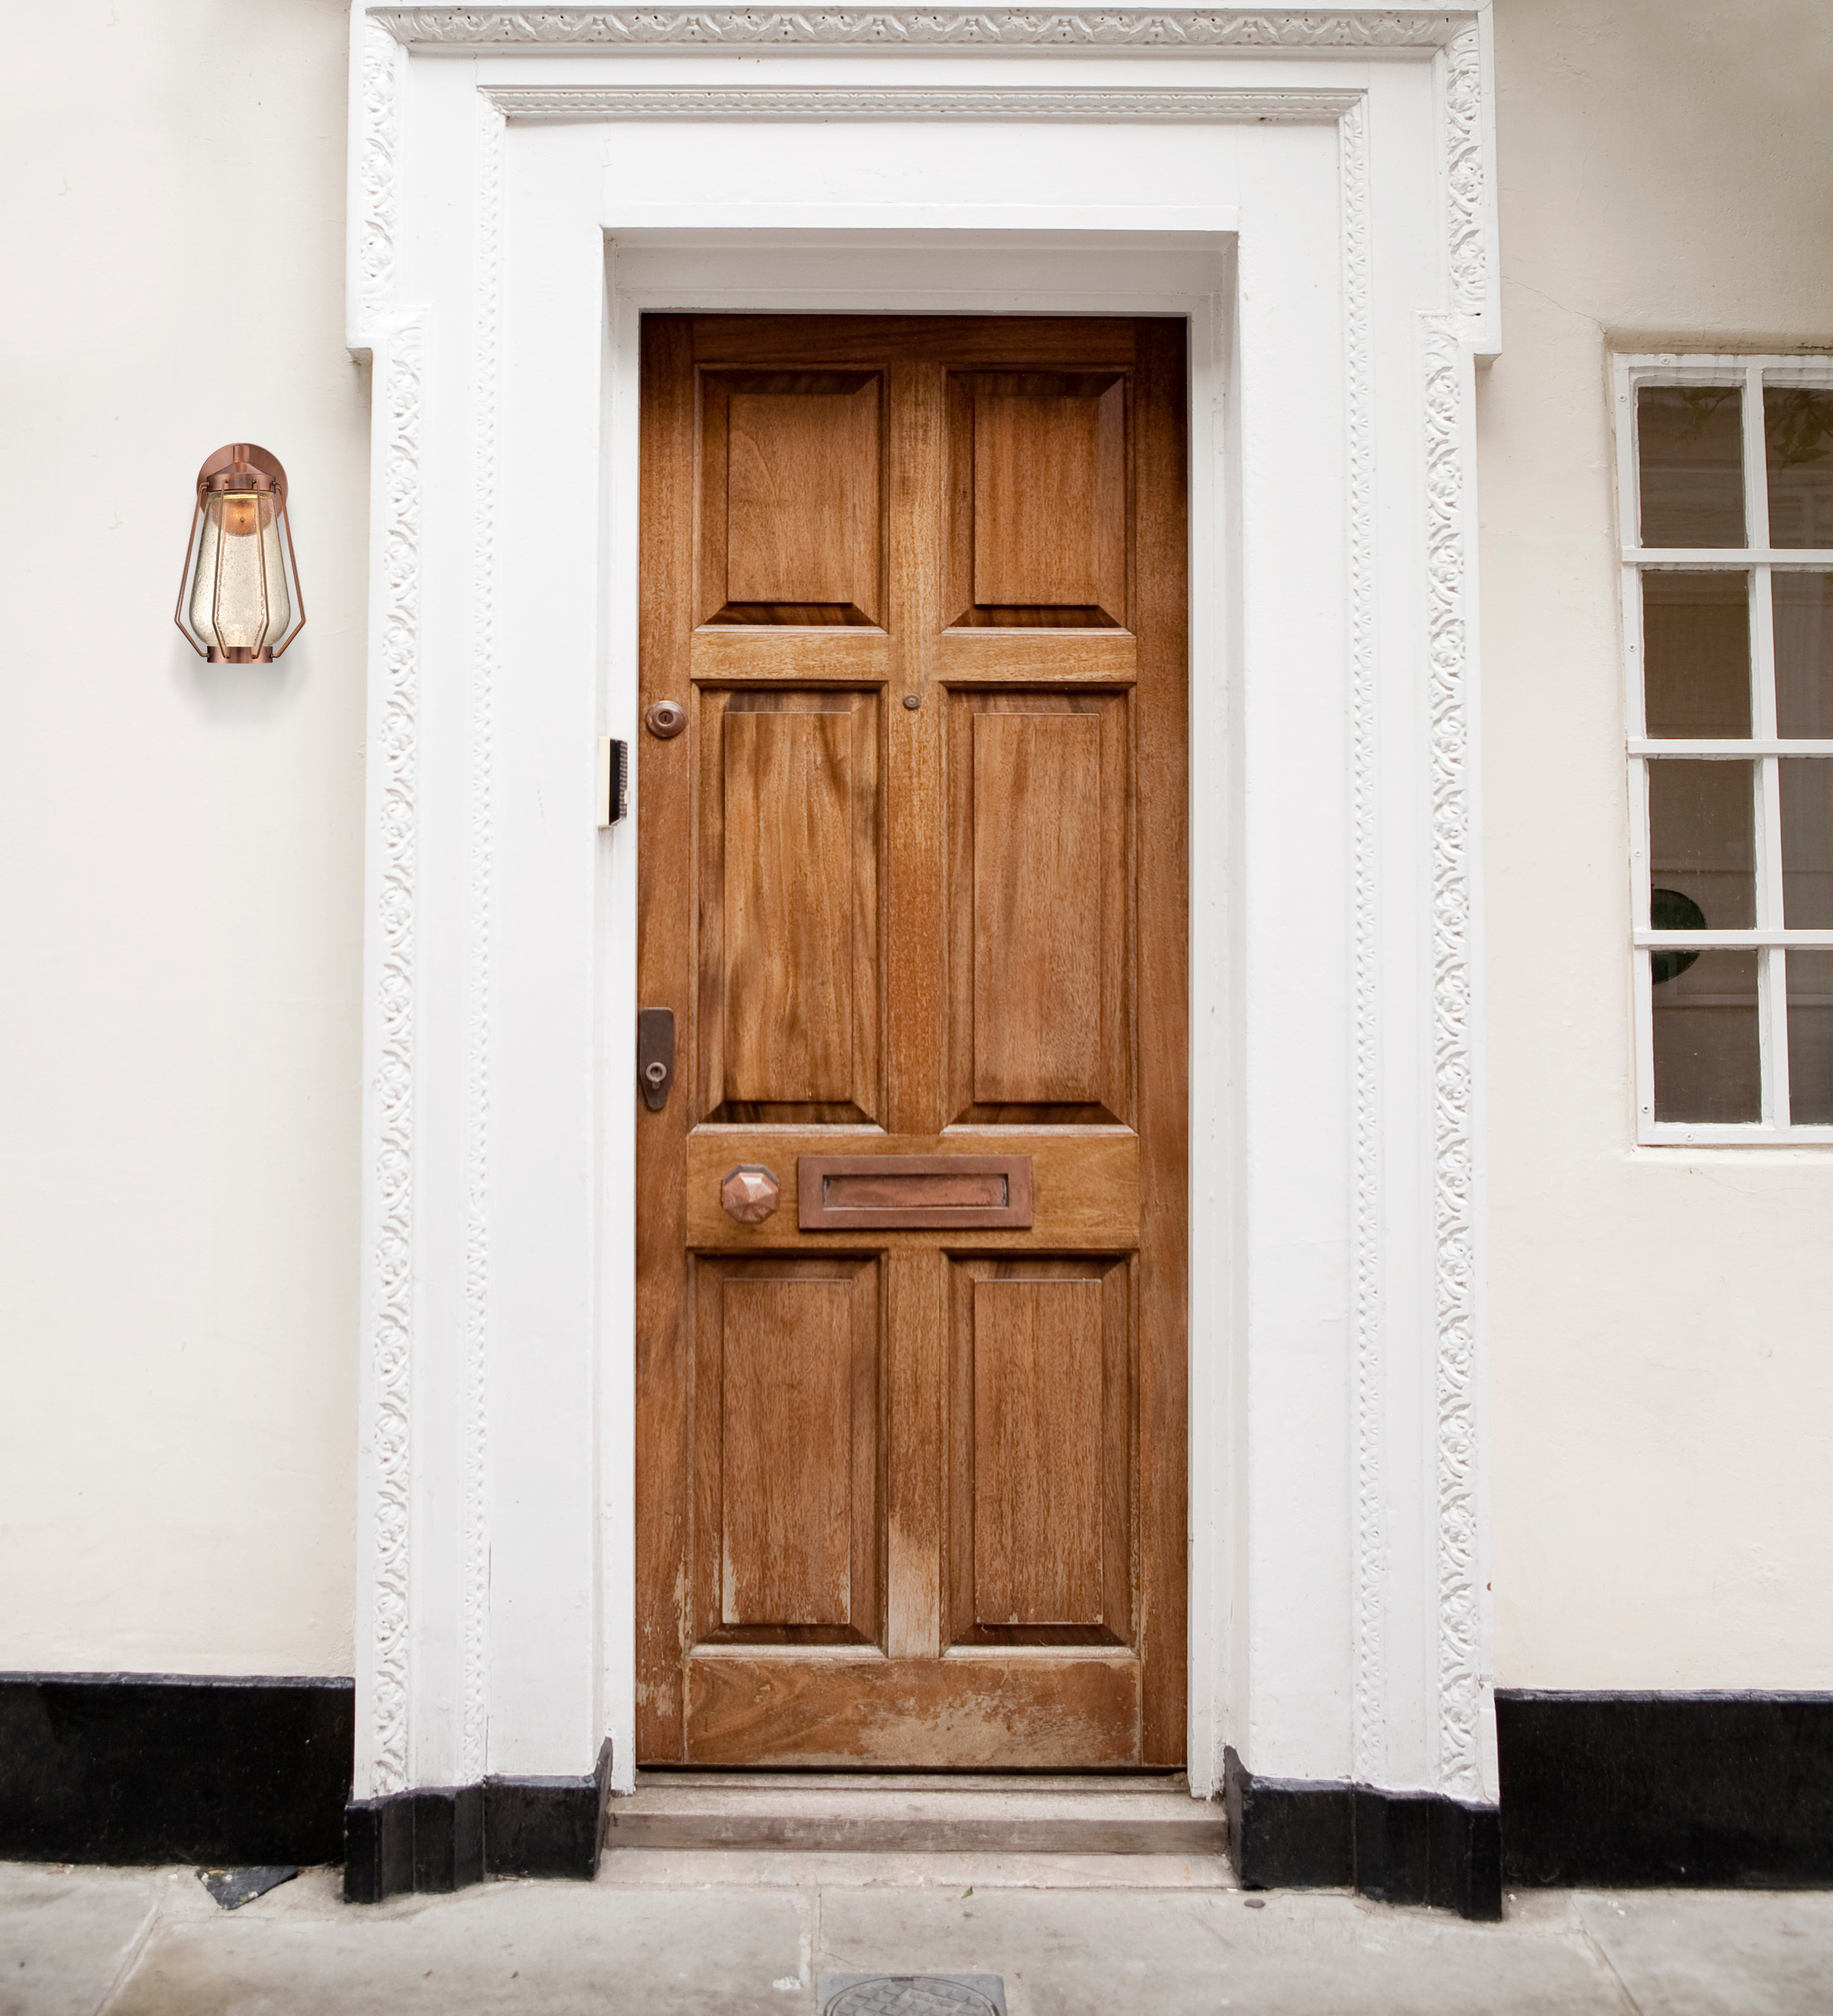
[1401, 1848]
[162, 1767]
[1704, 1790]
[444, 1837]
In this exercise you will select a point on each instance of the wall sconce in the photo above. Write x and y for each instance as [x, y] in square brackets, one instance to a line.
[237, 596]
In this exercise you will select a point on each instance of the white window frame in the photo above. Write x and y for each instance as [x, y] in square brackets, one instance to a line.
[1759, 560]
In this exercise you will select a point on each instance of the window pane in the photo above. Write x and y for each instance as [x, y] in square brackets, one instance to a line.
[1804, 654]
[1807, 844]
[1700, 833]
[1707, 1064]
[1811, 1038]
[1696, 654]
[1798, 441]
[1691, 440]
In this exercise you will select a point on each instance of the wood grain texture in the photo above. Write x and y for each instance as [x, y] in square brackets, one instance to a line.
[787, 1013]
[801, 657]
[1037, 910]
[1040, 914]
[1085, 1185]
[1049, 500]
[1043, 1380]
[789, 979]
[790, 522]
[1037, 1451]
[802, 497]
[1034, 1711]
[1038, 528]
[664, 1340]
[912, 1192]
[945, 929]
[1162, 797]
[787, 1446]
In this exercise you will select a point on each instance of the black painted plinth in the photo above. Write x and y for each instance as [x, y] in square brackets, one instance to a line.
[1694, 1789]
[1403, 1848]
[444, 1837]
[120, 1767]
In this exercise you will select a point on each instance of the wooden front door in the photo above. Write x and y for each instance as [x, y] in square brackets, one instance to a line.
[910, 1448]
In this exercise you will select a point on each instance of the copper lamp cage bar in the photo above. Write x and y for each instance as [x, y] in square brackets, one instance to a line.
[243, 467]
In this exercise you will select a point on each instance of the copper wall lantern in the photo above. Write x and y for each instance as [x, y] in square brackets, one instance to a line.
[239, 594]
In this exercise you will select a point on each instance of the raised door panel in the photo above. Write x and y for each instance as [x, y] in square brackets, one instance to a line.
[788, 1449]
[1040, 1481]
[789, 963]
[791, 511]
[1040, 1008]
[1040, 487]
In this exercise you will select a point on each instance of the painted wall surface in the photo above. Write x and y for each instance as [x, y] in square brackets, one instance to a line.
[1662, 1319]
[180, 987]
[180, 908]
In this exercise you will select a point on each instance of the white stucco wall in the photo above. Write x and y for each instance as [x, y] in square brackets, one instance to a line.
[180, 905]
[1661, 1319]
[180, 982]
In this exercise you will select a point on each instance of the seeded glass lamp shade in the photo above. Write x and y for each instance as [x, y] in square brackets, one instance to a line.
[240, 594]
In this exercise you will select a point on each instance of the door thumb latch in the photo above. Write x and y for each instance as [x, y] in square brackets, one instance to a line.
[655, 1055]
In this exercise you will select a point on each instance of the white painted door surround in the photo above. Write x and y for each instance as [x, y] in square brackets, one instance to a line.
[1313, 189]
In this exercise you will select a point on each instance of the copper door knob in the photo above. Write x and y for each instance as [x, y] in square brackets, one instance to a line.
[666, 719]
[751, 1194]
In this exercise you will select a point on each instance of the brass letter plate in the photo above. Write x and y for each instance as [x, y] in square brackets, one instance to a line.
[921, 1192]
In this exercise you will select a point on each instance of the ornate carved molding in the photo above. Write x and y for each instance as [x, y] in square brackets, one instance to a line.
[396, 756]
[1173, 31]
[1460, 1604]
[486, 336]
[1467, 234]
[560, 103]
[377, 172]
[1368, 1689]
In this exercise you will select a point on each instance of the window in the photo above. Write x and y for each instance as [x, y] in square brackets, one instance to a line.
[1725, 481]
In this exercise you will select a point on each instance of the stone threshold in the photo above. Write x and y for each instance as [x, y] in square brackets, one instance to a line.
[1136, 1814]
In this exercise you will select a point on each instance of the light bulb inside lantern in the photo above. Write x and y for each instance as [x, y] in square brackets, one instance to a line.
[239, 598]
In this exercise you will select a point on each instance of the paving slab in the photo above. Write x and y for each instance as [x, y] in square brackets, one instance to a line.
[1717, 1952]
[739, 1933]
[653, 1869]
[560, 1949]
[66, 1934]
[1095, 1954]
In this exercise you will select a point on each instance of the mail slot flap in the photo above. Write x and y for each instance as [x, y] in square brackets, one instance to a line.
[931, 1193]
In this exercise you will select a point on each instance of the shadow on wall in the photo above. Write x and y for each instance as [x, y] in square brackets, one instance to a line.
[236, 695]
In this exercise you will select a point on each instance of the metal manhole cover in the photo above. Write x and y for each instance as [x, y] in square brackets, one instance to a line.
[912, 1995]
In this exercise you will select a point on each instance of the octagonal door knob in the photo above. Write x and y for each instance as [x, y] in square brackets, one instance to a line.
[751, 1193]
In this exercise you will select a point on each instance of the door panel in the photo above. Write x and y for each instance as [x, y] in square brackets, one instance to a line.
[1044, 1394]
[913, 884]
[786, 1419]
[1038, 469]
[791, 515]
[788, 929]
[1040, 1028]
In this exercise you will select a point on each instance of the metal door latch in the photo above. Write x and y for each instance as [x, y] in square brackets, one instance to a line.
[655, 1055]
[614, 781]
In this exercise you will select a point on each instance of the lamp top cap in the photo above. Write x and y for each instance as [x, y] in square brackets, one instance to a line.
[242, 466]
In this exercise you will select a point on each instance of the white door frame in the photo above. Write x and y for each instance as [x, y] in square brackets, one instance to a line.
[523, 185]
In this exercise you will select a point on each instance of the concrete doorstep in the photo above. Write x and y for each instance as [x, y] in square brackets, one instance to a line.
[739, 1932]
[1144, 1814]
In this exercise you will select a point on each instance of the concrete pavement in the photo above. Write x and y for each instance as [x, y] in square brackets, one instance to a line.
[746, 1933]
